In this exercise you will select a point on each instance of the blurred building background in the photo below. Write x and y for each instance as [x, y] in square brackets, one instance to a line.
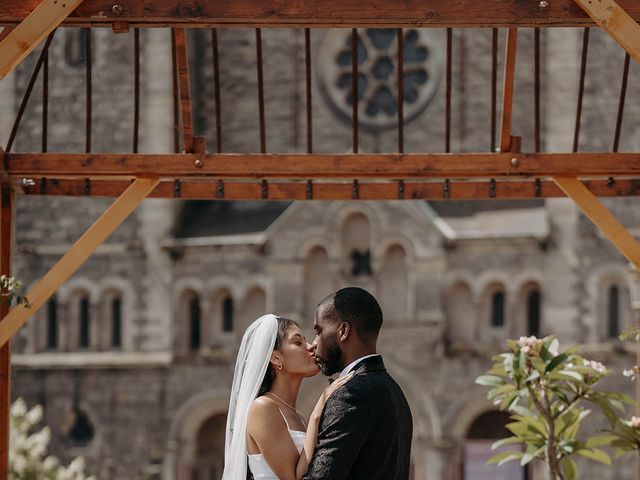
[133, 357]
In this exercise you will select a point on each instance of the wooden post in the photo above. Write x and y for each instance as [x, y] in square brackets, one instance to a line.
[6, 233]
[77, 255]
[616, 22]
[28, 35]
[507, 89]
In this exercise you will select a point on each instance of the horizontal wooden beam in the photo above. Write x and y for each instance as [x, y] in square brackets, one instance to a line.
[38, 22]
[329, 13]
[313, 166]
[611, 17]
[301, 190]
[77, 255]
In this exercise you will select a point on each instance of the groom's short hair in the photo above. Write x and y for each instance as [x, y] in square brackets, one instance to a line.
[357, 307]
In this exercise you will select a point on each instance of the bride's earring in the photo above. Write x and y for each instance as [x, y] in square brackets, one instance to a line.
[280, 367]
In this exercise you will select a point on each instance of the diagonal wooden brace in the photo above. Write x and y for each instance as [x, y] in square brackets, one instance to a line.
[77, 255]
[32, 30]
[601, 217]
[616, 22]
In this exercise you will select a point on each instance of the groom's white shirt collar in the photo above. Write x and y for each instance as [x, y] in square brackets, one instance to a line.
[349, 367]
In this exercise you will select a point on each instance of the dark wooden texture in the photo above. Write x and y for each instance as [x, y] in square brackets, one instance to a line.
[346, 13]
[308, 190]
[182, 65]
[507, 88]
[313, 166]
[6, 240]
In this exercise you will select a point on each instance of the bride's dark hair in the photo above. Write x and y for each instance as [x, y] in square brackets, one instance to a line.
[270, 374]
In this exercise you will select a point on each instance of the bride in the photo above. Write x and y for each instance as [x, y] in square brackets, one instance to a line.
[264, 430]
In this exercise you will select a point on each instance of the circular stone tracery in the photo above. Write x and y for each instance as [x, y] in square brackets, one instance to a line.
[377, 52]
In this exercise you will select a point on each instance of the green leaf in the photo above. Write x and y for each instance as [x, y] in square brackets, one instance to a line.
[501, 390]
[595, 454]
[599, 441]
[556, 361]
[498, 370]
[531, 453]
[535, 425]
[489, 381]
[538, 364]
[505, 441]
[566, 375]
[569, 468]
[504, 457]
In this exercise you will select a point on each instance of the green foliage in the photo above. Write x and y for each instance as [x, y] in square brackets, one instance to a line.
[545, 391]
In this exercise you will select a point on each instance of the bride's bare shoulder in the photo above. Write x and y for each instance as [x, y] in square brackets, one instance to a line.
[263, 409]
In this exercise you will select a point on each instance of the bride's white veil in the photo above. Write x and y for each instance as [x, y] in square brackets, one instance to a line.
[253, 359]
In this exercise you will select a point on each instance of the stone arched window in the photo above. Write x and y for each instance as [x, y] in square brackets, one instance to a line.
[356, 250]
[494, 324]
[111, 320]
[393, 284]
[52, 335]
[81, 329]
[483, 432]
[533, 312]
[614, 307]
[190, 321]
[253, 307]
[460, 315]
[116, 321]
[223, 310]
[317, 281]
[497, 312]
[195, 323]
[613, 312]
[529, 310]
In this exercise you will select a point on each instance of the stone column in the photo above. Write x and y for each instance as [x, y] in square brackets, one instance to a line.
[156, 216]
[560, 307]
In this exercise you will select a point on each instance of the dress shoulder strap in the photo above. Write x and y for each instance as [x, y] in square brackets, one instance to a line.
[284, 418]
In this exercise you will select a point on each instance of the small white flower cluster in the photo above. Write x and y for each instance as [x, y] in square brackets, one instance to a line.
[10, 284]
[525, 343]
[593, 365]
[632, 373]
[634, 422]
[28, 457]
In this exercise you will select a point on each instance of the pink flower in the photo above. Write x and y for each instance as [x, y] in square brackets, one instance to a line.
[525, 349]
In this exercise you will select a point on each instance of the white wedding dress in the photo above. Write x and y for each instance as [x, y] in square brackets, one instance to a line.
[259, 466]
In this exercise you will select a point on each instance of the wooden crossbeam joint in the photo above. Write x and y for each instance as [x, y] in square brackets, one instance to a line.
[601, 217]
[31, 31]
[616, 22]
[77, 255]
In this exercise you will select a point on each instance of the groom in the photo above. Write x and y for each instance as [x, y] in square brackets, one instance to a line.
[366, 427]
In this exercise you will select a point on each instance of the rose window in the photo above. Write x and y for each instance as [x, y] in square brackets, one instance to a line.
[378, 74]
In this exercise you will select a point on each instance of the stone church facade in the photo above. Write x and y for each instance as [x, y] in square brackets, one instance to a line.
[133, 357]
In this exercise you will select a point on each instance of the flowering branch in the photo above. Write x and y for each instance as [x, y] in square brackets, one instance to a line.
[544, 389]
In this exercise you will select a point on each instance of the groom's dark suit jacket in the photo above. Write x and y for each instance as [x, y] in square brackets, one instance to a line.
[365, 430]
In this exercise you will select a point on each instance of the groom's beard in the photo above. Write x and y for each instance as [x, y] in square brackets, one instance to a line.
[333, 361]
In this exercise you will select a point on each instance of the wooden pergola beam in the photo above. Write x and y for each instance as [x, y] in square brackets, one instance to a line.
[331, 13]
[601, 217]
[77, 255]
[313, 166]
[616, 22]
[508, 87]
[182, 67]
[6, 250]
[38, 22]
[302, 190]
